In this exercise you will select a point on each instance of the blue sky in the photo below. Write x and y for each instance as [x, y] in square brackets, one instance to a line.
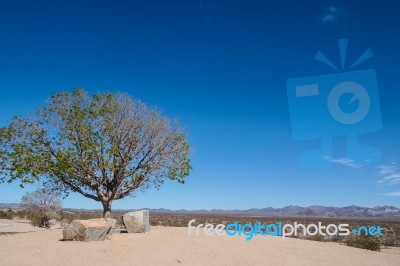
[220, 68]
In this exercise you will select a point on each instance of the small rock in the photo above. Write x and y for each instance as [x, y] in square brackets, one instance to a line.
[137, 221]
[116, 231]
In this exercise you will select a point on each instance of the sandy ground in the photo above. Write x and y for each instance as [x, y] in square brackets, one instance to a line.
[17, 226]
[173, 246]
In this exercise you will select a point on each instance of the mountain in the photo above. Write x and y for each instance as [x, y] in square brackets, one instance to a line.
[349, 212]
[9, 205]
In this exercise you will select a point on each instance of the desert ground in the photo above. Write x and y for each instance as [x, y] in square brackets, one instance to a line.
[26, 245]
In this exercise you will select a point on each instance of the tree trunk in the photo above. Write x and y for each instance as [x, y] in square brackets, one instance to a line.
[107, 209]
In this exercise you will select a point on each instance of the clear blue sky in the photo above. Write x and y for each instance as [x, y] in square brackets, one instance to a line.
[220, 68]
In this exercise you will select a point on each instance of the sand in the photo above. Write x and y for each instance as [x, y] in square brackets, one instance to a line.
[17, 226]
[173, 246]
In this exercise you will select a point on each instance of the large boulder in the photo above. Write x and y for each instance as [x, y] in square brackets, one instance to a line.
[137, 221]
[88, 230]
[111, 221]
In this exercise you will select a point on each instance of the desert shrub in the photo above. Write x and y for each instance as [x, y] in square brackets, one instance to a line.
[21, 214]
[9, 214]
[351, 241]
[3, 215]
[38, 220]
[365, 242]
[319, 238]
[370, 243]
[389, 240]
[68, 216]
[396, 235]
[89, 215]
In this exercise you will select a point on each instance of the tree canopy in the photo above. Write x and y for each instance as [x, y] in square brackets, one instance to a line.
[104, 147]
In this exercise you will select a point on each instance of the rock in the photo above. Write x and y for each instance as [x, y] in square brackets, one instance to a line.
[68, 233]
[63, 223]
[88, 230]
[111, 221]
[137, 222]
[116, 231]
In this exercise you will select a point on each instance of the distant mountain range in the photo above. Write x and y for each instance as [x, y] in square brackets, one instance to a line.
[9, 205]
[350, 212]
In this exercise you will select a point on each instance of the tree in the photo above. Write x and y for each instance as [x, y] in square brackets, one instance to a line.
[41, 206]
[104, 147]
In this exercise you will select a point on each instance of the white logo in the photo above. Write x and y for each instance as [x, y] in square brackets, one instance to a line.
[359, 93]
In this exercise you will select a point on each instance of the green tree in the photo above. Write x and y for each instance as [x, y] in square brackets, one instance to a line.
[104, 147]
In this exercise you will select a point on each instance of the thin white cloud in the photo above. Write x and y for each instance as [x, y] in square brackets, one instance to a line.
[330, 15]
[386, 169]
[343, 161]
[328, 18]
[392, 194]
[389, 174]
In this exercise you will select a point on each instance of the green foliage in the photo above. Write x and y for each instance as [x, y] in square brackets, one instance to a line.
[365, 242]
[38, 219]
[21, 214]
[9, 214]
[68, 217]
[41, 218]
[318, 237]
[104, 147]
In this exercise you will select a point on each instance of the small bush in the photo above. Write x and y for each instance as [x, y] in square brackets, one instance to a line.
[365, 242]
[9, 214]
[389, 241]
[21, 214]
[319, 238]
[38, 220]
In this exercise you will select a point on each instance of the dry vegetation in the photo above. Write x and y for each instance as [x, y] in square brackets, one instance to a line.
[391, 236]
